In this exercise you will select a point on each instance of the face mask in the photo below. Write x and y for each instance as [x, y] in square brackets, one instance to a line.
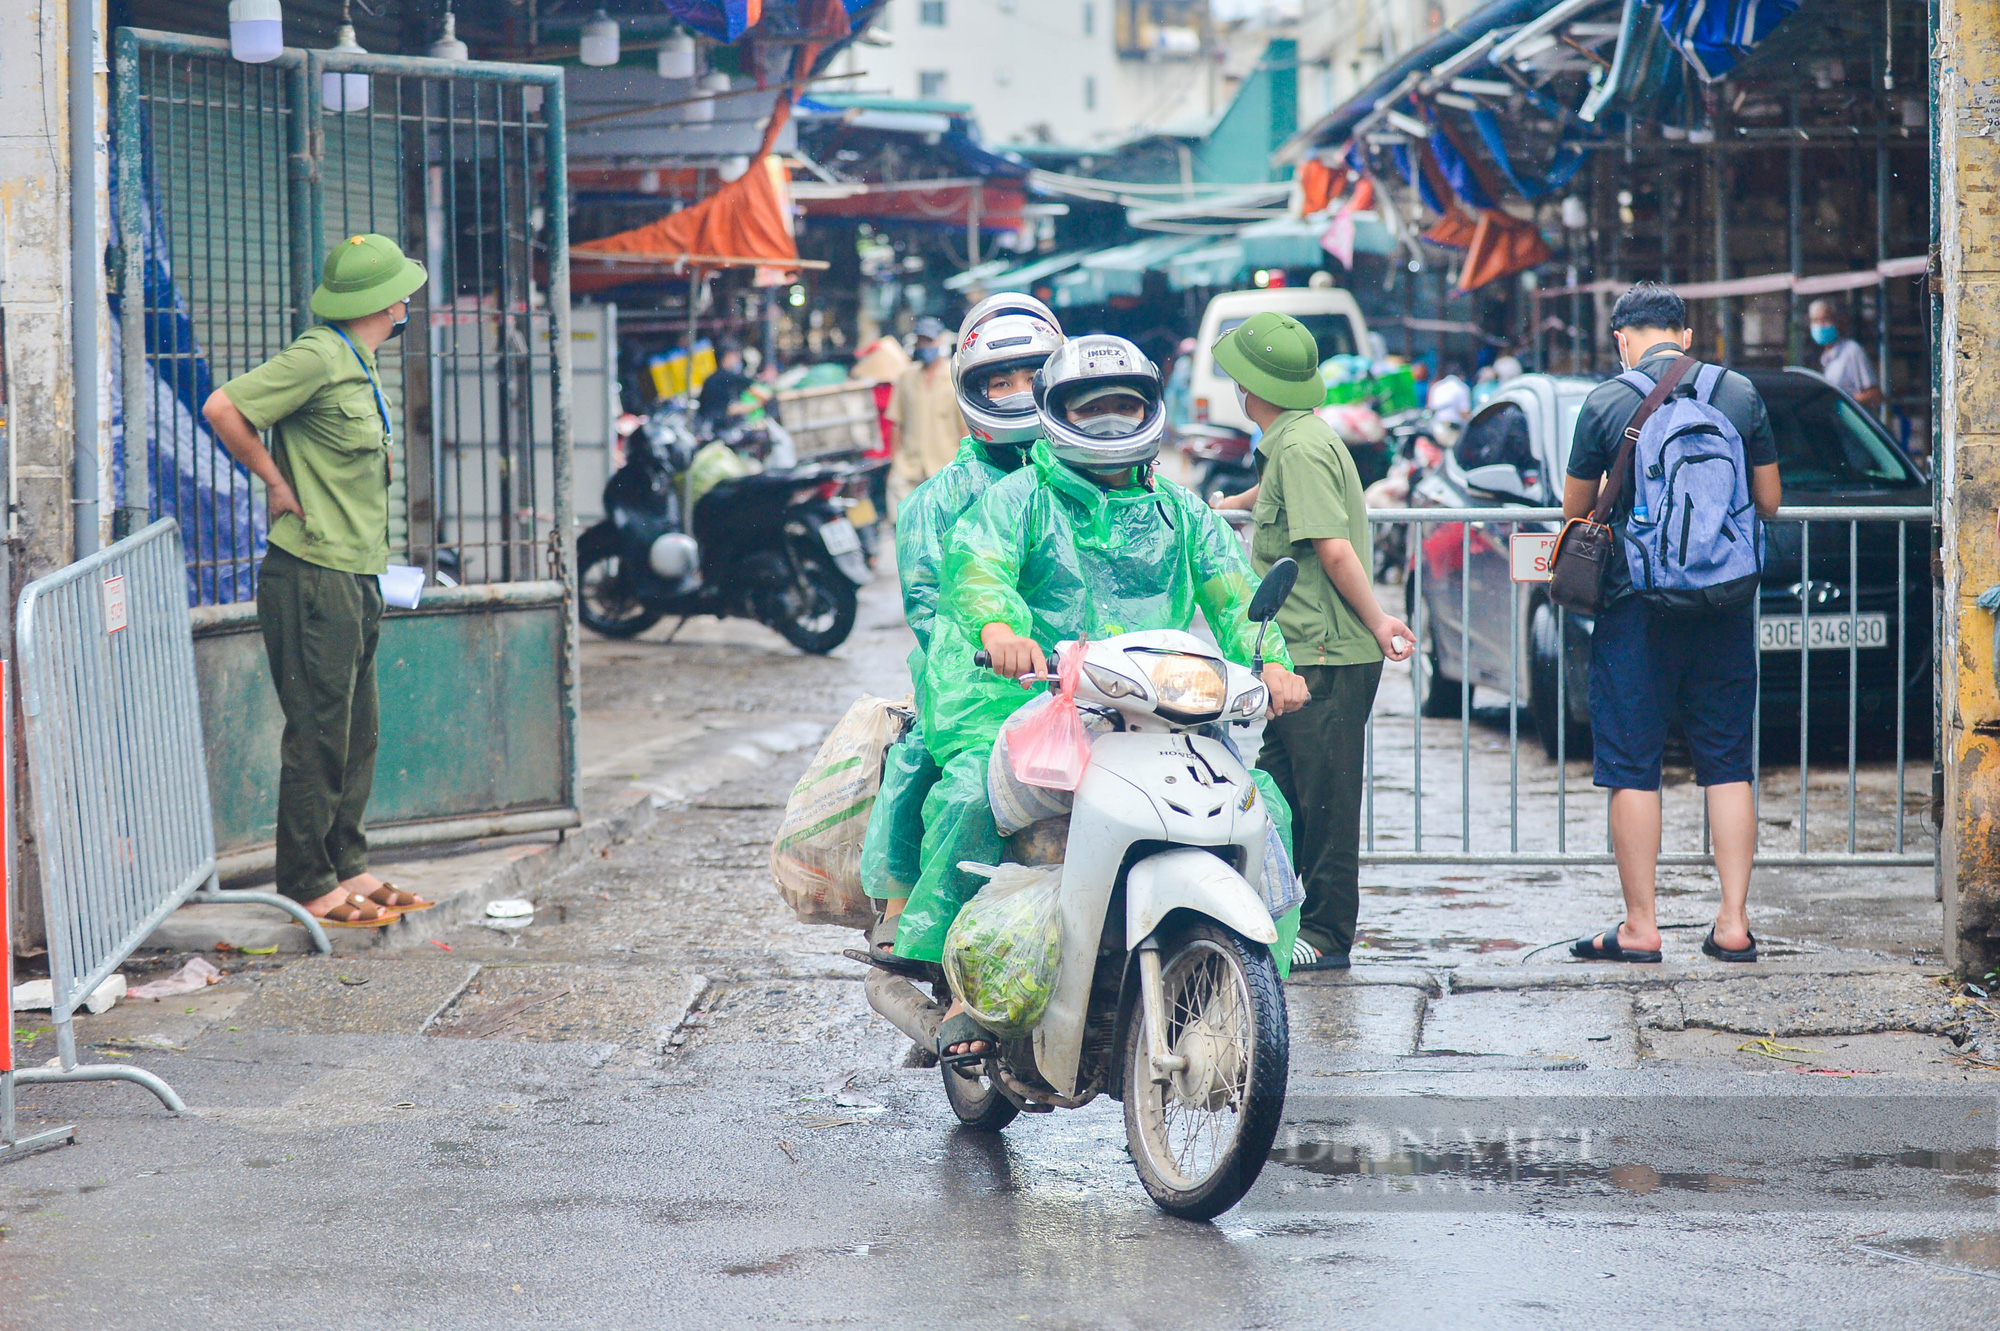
[396, 328]
[1825, 334]
[926, 354]
[1243, 399]
[1014, 402]
[1109, 427]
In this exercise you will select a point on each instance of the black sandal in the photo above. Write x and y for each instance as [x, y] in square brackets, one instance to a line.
[1590, 949]
[1721, 953]
[962, 1029]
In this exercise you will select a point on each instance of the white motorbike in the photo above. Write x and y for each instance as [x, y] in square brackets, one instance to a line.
[1167, 997]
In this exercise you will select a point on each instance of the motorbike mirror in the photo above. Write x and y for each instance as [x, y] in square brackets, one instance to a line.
[1272, 591]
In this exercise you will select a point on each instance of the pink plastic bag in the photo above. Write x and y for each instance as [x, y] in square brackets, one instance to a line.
[1050, 748]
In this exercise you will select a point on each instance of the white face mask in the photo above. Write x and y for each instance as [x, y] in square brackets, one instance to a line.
[1014, 402]
[1109, 426]
[1242, 399]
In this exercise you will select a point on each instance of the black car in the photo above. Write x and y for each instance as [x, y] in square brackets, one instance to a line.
[1830, 452]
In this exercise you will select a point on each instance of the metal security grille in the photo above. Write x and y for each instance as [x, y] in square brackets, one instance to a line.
[232, 181]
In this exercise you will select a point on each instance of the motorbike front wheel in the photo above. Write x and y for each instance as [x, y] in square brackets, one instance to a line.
[604, 606]
[1199, 1138]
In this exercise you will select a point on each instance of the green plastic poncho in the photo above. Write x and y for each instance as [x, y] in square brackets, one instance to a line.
[1052, 554]
[891, 854]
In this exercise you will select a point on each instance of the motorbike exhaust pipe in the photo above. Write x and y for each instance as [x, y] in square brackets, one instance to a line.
[905, 1007]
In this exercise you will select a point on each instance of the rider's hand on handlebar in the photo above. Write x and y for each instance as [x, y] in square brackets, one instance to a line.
[1288, 691]
[1013, 655]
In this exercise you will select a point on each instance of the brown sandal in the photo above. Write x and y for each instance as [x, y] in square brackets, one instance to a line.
[390, 897]
[347, 915]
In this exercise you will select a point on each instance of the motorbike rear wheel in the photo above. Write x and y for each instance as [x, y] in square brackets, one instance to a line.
[977, 1100]
[813, 608]
[602, 604]
[1199, 1139]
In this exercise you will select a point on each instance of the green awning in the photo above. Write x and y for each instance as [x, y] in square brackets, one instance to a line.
[1016, 279]
[1287, 243]
[1119, 271]
[1210, 266]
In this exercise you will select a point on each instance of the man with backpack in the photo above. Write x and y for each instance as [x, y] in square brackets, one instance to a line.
[1683, 452]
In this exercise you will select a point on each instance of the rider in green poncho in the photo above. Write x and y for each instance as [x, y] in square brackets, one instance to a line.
[1002, 342]
[1084, 540]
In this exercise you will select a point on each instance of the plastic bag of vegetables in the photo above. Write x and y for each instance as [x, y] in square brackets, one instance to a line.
[1002, 952]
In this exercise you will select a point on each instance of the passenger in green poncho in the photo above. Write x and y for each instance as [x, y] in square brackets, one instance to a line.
[1003, 341]
[1084, 540]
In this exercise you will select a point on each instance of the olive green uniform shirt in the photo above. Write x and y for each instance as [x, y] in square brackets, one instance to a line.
[328, 437]
[1310, 490]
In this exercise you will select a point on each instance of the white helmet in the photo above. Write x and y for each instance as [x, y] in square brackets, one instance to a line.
[1108, 373]
[1003, 332]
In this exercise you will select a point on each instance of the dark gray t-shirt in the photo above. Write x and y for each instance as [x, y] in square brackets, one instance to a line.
[1600, 430]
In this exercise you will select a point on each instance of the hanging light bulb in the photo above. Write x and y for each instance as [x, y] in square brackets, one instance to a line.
[702, 110]
[599, 42]
[345, 92]
[732, 168]
[256, 30]
[677, 55]
[448, 46]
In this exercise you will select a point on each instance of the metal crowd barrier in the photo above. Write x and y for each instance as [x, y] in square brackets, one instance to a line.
[116, 768]
[1478, 531]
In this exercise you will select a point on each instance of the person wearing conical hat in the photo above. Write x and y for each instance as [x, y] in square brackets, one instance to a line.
[319, 604]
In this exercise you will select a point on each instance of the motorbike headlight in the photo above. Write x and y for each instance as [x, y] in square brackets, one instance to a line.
[1253, 700]
[1112, 684]
[1188, 687]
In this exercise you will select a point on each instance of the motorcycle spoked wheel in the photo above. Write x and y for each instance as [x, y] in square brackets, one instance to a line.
[604, 607]
[810, 602]
[1200, 1138]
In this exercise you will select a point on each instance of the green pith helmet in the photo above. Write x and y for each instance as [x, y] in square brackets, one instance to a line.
[364, 274]
[1275, 357]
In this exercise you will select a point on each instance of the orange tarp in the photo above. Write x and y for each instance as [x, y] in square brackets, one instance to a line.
[1502, 245]
[748, 222]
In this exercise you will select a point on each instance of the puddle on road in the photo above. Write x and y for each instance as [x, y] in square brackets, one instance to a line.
[1378, 942]
[1979, 1253]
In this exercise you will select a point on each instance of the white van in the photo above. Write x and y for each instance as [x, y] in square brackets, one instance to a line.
[1328, 313]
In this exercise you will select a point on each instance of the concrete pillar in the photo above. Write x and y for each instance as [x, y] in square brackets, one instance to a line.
[1968, 472]
[35, 306]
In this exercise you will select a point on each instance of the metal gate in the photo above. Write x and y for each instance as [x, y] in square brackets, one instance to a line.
[231, 181]
[1843, 659]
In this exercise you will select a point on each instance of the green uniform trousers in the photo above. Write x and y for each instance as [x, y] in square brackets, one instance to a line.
[320, 630]
[1317, 755]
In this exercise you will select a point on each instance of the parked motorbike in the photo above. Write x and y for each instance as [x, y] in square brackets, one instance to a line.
[774, 546]
[1413, 455]
[1223, 455]
[1166, 997]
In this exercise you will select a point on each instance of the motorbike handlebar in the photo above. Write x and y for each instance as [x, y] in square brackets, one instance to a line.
[983, 659]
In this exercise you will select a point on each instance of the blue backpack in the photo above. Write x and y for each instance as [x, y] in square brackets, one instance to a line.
[1692, 541]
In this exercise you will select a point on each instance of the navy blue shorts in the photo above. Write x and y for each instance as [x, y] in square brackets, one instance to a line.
[1648, 669]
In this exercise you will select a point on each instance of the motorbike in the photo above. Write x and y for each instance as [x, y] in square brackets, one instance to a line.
[1413, 455]
[1223, 454]
[774, 546]
[1166, 996]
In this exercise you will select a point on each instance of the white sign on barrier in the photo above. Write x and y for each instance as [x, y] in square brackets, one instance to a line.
[1532, 552]
[115, 616]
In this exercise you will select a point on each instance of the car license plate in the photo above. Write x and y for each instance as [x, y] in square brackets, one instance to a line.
[862, 513]
[840, 537]
[1780, 633]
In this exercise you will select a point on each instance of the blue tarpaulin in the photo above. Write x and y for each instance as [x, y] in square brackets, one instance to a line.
[1457, 174]
[1568, 159]
[1712, 35]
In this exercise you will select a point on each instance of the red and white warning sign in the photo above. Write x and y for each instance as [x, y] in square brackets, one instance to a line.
[1532, 552]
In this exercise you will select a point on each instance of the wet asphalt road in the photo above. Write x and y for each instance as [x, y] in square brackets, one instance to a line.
[1465, 1142]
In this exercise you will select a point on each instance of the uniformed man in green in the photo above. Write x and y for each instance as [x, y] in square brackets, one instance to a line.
[1307, 504]
[318, 599]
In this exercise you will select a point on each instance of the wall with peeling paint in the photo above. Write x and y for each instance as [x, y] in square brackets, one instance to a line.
[1967, 71]
[34, 296]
